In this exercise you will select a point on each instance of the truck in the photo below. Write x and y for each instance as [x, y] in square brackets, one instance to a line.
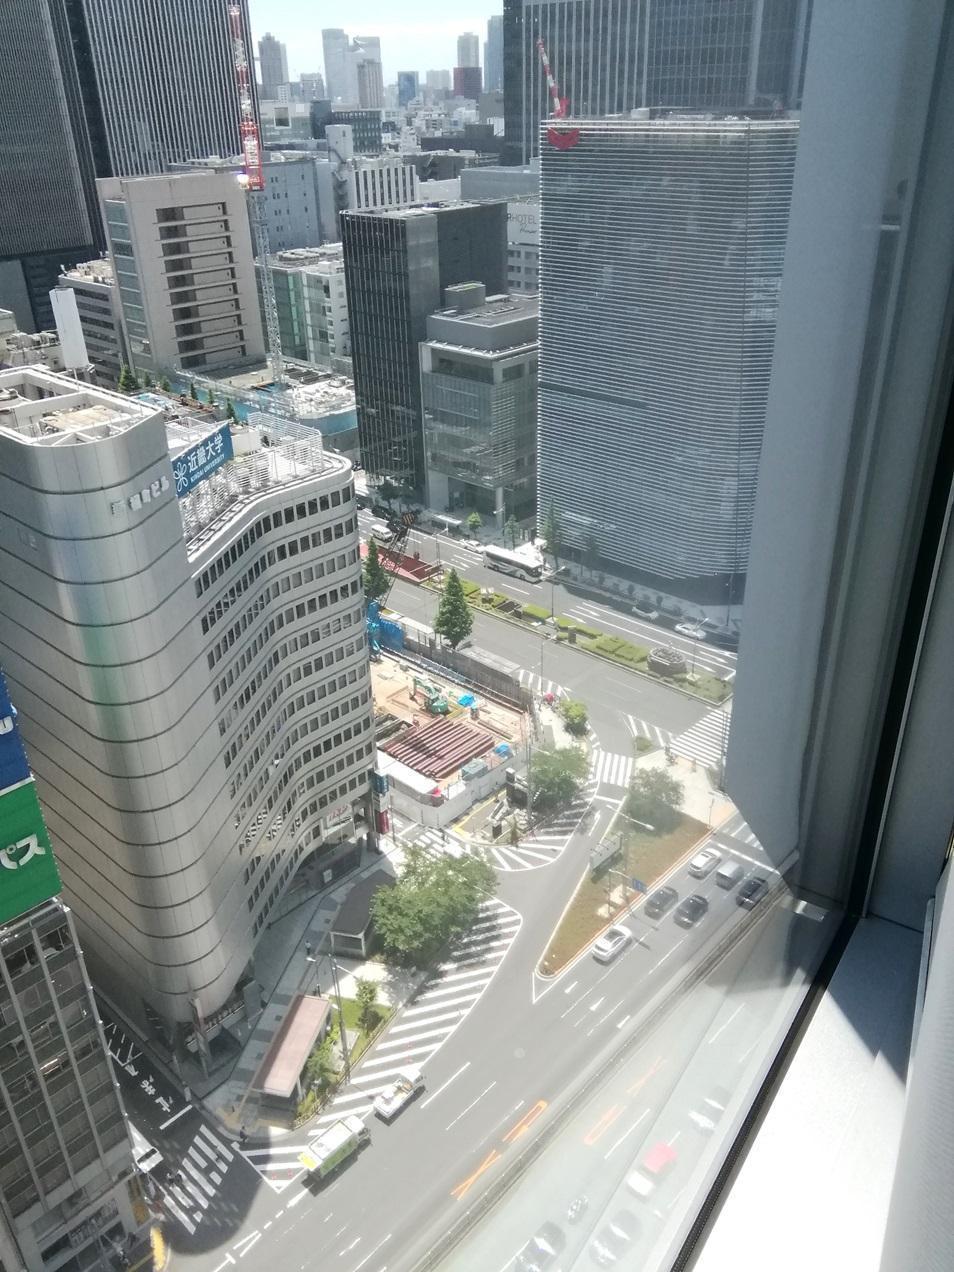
[334, 1146]
[393, 1098]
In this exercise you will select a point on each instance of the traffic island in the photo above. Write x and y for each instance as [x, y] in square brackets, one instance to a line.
[636, 858]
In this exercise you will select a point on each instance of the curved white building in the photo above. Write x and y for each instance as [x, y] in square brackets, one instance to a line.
[192, 677]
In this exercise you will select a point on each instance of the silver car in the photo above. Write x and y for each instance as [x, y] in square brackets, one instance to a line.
[703, 863]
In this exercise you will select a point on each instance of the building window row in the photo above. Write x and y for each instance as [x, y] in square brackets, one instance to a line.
[293, 579]
[270, 521]
[251, 651]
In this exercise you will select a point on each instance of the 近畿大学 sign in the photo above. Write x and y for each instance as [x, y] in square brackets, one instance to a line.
[28, 873]
[201, 460]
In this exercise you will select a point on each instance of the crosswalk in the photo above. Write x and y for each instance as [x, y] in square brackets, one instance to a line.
[536, 683]
[188, 1195]
[422, 1028]
[610, 769]
[502, 856]
[706, 740]
[643, 729]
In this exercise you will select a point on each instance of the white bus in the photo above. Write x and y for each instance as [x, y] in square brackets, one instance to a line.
[510, 563]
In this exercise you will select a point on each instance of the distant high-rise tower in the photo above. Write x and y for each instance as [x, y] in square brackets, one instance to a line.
[408, 86]
[662, 243]
[272, 65]
[397, 264]
[493, 56]
[616, 55]
[438, 79]
[65, 1158]
[467, 82]
[468, 49]
[335, 43]
[370, 84]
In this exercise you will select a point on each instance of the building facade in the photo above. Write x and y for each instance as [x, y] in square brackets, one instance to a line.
[468, 49]
[408, 87]
[182, 251]
[397, 264]
[493, 55]
[662, 245]
[272, 65]
[93, 283]
[370, 80]
[312, 304]
[334, 45]
[468, 82]
[198, 707]
[365, 125]
[479, 396]
[66, 1167]
[438, 80]
[609, 58]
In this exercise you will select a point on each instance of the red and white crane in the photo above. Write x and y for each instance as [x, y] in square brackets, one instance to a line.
[254, 181]
[561, 138]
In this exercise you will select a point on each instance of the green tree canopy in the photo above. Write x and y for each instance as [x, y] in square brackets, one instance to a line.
[127, 380]
[230, 410]
[165, 385]
[376, 581]
[574, 716]
[513, 529]
[436, 899]
[654, 799]
[210, 398]
[454, 619]
[388, 491]
[556, 776]
[474, 522]
[192, 391]
[366, 994]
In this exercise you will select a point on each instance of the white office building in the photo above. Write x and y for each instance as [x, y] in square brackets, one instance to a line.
[312, 305]
[93, 283]
[182, 625]
[182, 251]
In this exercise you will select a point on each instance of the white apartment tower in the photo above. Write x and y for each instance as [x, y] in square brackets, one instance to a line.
[182, 251]
[182, 625]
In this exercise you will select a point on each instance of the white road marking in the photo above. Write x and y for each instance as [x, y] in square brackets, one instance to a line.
[622, 1022]
[246, 1240]
[296, 1199]
[404, 1042]
[175, 1117]
[446, 1084]
[625, 1135]
[595, 1006]
[470, 1106]
[432, 1020]
[371, 1254]
[218, 1144]
[722, 1028]
[667, 954]
[225, 1263]
[571, 986]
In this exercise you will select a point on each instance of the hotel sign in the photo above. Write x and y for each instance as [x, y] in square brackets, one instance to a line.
[200, 461]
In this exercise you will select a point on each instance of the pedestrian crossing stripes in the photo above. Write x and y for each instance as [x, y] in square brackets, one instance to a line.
[502, 856]
[610, 769]
[536, 683]
[187, 1193]
[651, 732]
[706, 740]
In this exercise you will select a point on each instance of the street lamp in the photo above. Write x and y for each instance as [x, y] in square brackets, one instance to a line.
[312, 958]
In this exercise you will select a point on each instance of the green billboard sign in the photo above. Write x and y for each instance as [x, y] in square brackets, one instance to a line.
[28, 873]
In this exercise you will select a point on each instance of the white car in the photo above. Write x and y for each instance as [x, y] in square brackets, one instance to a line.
[393, 1098]
[703, 863]
[380, 531]
[692, 630]
[613, 941]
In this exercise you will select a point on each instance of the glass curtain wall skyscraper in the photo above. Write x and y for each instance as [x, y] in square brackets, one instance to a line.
[612, 56]
[661, 258]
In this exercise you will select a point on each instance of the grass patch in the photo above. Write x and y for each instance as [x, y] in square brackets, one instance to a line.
[351, 1010]
[644, 856]
[535, 612]
[470, 588]
[643, 745]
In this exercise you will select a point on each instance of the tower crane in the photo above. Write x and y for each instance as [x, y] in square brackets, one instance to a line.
[561, 138]
[253, 180]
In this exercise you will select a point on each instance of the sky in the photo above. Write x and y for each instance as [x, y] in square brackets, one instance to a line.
[416, 35]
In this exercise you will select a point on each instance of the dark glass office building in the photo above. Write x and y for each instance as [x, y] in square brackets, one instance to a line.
[397, 264]
[612, 56]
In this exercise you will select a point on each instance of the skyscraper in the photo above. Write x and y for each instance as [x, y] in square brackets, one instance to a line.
[397, 264]
[272, 64]
[609, 57]
[437, 79]
[408, 87]
[493, 56]
[467, 82]
[334, 44]
[370, 79]
[662, 244]
[65, 1160]
[468, 49]
[170, 747]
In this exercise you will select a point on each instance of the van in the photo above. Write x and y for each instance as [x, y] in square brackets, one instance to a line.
[729, 874]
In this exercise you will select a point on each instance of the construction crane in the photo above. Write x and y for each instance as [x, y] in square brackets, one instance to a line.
[254, 181]
[561, 138]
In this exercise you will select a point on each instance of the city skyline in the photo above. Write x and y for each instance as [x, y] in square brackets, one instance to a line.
[424, 38]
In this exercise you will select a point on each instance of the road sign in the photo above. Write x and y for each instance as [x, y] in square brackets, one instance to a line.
[603, 852]
[638, 885]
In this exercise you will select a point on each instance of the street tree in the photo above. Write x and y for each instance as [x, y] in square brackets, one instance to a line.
[165, 385]
[553, 534]
[230, 411]
[210, 398]
[654, 799]
[557, 775]
[473, 523]
[454, 619]
[366, 993]
[388, 491]
[436, 899]
[127, 380]
[376, 581]
[574, 716]
[193, 393]
[146, 380]
[513, 529]
[320, 1070]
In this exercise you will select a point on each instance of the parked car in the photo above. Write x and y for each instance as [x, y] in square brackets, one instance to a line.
[752, 892]
[707, 1112]
[690, 911]
[692, 630]
[703, 863]
[652, 1170]
[648, 612]
[613, 941]
[661, 902]
[542, 1250]
[614, 1238]
[729, 874]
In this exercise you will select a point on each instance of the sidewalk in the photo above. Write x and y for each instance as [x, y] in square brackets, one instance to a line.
[283, 971]
[700, 798]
